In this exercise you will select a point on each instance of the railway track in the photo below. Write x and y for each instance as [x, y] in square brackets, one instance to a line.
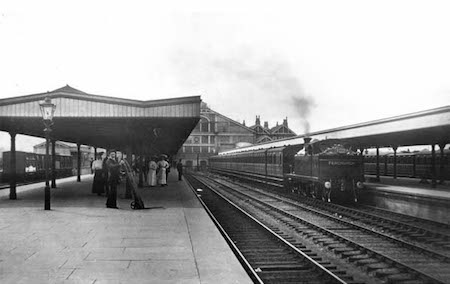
[378, 254]
[432, 236]
[427, 226]
[267, 257]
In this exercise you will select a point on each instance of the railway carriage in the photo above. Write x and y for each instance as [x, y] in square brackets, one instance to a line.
[320, 172]
[410, 165]
[31, 166]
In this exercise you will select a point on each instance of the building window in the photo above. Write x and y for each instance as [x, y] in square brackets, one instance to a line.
[224, 139]
[196, 149]
[212, 139]
[204, 149]
[224, 127]
[205, 139]
[204, 125]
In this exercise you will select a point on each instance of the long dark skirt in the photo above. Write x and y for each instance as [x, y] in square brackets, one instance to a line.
[111, 201]
[98, 186]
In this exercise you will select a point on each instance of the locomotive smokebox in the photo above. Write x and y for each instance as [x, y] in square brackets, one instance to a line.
[307, 140]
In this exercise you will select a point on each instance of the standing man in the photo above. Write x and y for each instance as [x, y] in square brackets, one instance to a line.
[113, 171]
[180, 169]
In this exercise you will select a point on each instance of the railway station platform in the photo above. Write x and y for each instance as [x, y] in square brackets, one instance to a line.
[411, 197]
[81, 241]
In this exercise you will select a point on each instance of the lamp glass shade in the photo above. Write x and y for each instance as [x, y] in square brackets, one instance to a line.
[47, 109]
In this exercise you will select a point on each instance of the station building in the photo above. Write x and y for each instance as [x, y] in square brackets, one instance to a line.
[216, 133]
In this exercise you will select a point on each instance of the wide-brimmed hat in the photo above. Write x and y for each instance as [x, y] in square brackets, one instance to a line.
[163, 156]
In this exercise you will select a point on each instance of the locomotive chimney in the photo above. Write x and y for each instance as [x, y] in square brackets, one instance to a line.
[307, 146]
[307, 140]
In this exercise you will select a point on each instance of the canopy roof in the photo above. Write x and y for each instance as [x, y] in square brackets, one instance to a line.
[419, 128]
[158, 126]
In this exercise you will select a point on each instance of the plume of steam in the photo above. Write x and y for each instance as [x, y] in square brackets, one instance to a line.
[265, 80]
[303, 105]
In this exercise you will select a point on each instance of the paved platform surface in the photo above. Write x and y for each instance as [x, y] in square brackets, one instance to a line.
[410, 197]
[81, 241]
[413, 187]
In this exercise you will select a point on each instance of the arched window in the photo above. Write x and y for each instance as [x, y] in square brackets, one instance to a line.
[204, 125]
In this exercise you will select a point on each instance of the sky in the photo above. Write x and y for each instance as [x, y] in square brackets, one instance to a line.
[321, 64]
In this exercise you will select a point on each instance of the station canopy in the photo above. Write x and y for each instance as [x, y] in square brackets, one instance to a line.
[143, 127]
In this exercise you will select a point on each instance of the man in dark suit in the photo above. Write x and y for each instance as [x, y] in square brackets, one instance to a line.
[180, 169]
[113, 171]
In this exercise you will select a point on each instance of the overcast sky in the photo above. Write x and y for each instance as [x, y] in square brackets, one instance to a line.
[322, 64]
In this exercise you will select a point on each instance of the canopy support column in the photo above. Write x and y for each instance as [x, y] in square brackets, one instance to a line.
[441, 164]
[395, 161]
[95, 158]
[78, 162]
[433, 166]
[53, 164]
[377, 167]
[12, 163]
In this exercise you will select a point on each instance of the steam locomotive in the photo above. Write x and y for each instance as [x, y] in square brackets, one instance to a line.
[31, 166]
[327, 169]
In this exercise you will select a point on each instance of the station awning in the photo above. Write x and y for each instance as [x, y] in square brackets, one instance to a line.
[419, 128]
[150, 127]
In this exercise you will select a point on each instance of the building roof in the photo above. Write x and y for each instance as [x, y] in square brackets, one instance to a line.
[205, 107]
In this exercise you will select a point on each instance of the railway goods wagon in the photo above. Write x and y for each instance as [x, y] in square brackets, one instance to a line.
[327, 170]
[31, 166]
[411, 165]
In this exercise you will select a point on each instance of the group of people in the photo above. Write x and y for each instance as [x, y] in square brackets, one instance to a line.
[107, 174]
[158, 170]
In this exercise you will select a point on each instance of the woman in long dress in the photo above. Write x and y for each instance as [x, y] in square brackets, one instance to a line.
[152, 167]
[163, 165]
[98, 186]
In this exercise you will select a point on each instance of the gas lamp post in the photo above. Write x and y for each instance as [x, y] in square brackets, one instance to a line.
[47, 110]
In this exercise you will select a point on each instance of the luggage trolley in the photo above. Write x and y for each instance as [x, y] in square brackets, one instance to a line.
[137, 203]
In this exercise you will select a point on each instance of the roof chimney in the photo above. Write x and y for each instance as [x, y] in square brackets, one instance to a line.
[243, 122]
[266, 124]
[285, 122]
[258, 122]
